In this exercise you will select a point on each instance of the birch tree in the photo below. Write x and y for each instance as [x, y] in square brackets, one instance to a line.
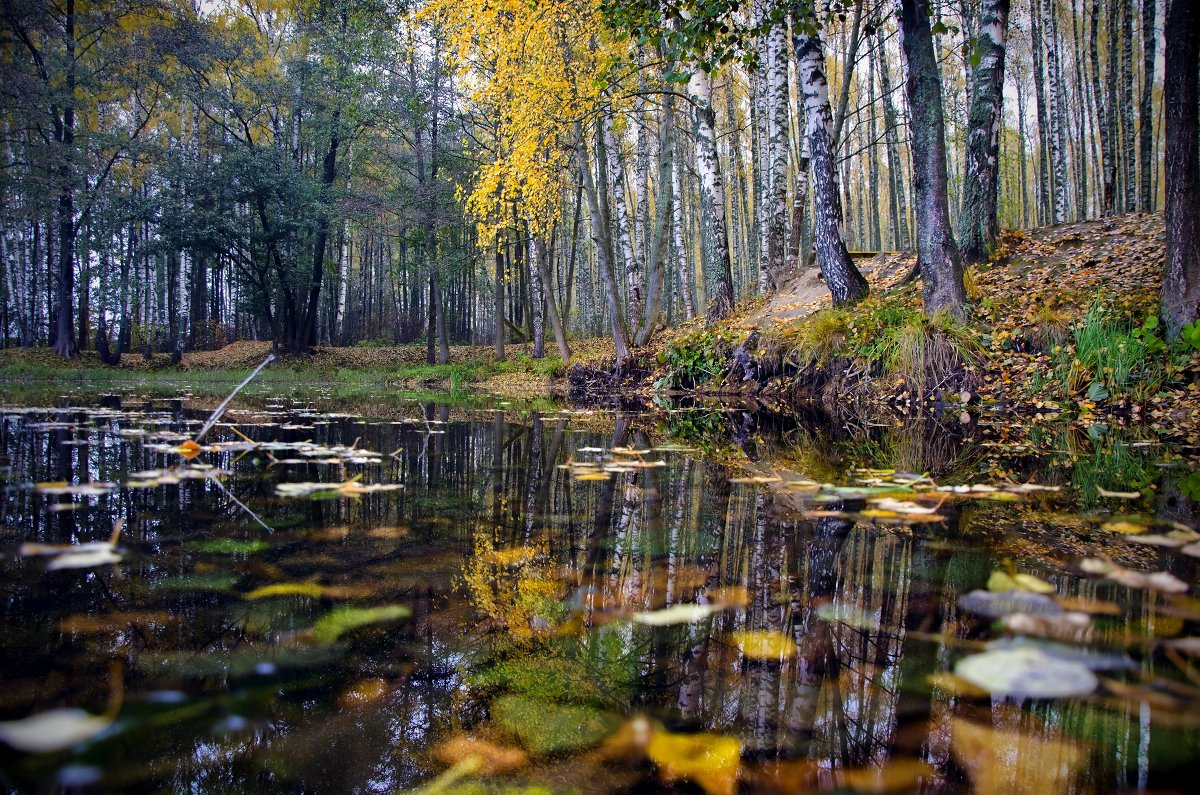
[937, 254]
[712, 185]
[978, 227]
[845, 283]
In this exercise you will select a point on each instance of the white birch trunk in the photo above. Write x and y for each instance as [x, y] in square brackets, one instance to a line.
[712, 186]
[629, 253]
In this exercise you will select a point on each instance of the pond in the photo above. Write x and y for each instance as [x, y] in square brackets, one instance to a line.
[409, 595]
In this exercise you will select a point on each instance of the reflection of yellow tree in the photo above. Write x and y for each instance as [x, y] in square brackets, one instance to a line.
[514, 586]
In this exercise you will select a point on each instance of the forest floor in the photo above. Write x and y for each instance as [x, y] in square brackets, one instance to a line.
[1063, 327]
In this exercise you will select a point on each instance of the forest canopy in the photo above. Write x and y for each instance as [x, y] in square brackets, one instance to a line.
[180, 174]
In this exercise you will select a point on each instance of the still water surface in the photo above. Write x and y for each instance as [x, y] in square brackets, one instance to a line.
[478, 601]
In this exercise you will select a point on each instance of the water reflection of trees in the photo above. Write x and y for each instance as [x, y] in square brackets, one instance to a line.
[593, 551]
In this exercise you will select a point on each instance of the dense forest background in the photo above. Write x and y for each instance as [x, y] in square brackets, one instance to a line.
[178, 175]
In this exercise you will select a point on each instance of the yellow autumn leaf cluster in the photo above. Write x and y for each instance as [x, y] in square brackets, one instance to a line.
[532, 70]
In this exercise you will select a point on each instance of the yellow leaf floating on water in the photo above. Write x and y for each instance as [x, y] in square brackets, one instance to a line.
[1124, 526]
[309, 589]
[1001, 581]
[765, 645]
[189, 449]
[708, 760]
[1011, 762]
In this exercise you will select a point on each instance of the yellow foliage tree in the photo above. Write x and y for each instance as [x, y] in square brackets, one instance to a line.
[533, 69]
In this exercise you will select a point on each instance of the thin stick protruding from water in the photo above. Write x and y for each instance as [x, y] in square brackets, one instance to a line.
[216, 415]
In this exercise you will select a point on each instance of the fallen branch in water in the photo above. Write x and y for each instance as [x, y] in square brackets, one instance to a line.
[220, 410]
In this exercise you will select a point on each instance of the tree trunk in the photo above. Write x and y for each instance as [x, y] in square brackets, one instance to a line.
[937, 254]
[712, 185]
[663, 215]
[686, 279]
[1181, 279]
[845, 283]
[603, 245]
[536, 295]
[308, 335]
[1056, 136]
[774, 200]
[620, 206]
[498, 307]
[897, 194]
[1146, 143]
[556, 322]
[1102, 109]
[977, 216]
[1128, 134]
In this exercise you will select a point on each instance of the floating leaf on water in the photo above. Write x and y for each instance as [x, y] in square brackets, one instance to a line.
[230, 546]
[545, 727]
[1026, 673]
[308, 589]
[1008, 762]
[1158, 540]
[765, 644]
[61, 487]
[906, 506]
[52, 731]
[1156, 699]
[1189, 646]
[997, 605]
[189, 449]
[1001, 581]
[200, 581]
[1070, 626]
[897, 774]
[337, 622]
[710, 761]
[677, 614]
[1122, 495]
[347, 488]
[1157, 581]
[850, 615]
[494, 759]
[1092, 658]
[1124, 526]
